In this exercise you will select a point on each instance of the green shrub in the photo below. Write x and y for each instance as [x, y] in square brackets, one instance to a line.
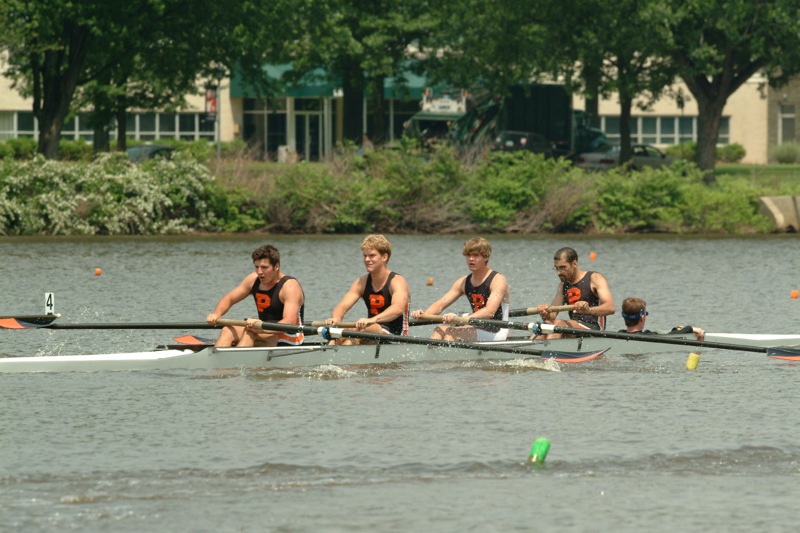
[107, 196]
[199, 150]
[686, 151]
[6, 150]
[24, 147]
[730, 153]
[70, 150]
[787, 153]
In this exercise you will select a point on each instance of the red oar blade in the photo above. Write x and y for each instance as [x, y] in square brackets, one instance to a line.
[572, 357]
[26, 322]
[191, 340]
[789, 354]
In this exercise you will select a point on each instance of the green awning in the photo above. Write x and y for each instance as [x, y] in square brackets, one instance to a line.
[314, 84]
[317, 83]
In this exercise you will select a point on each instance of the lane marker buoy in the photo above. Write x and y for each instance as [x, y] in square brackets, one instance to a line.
[539, 451]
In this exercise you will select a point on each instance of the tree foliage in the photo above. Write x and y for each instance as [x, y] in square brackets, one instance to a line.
[717, 45]
[359, 43]
[111, 56]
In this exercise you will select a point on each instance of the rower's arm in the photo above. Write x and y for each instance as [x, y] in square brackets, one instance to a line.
[349, 300]
[235, 296]
[292, 297]
[600, 287]
[558, 299]
[449, 298]
[400, 300]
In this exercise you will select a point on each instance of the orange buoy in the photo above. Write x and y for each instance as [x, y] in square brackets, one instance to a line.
[795, 294]
[592, 256]
[430, 282]
[97, 271]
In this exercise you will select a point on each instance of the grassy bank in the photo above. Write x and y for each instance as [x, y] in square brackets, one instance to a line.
[384, 191]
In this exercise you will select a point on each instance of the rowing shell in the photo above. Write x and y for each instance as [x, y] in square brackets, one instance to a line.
[278, 357]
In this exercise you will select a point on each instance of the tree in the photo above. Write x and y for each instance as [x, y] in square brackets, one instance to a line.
[717, 45]
[359, 43]
[147, 53]
[625, 60]
[593, 46]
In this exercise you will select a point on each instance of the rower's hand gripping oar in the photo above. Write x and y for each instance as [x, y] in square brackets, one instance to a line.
[791, 354]
[330, 333]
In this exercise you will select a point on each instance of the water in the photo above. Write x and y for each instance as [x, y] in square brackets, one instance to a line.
[638, 443]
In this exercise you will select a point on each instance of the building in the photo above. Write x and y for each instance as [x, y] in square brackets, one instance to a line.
[307, 119]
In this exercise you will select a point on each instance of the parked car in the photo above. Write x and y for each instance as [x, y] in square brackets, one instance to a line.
[511, 141]
[644, 155]
[144, 152]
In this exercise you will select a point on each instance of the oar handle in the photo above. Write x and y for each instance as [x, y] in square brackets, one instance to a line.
[525, 311]
[322, 324]
[434, 319]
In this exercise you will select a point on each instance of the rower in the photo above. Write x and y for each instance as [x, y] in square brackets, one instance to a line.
[487, 292]
[278, 298]
[385, 293]
[585, 290]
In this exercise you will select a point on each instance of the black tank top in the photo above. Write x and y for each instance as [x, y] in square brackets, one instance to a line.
[269, 304]
[478, 296]
[582, 291]
[378, 301]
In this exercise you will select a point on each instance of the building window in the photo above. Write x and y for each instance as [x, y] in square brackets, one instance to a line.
[786, 123]
[141, 126]
[26, 124]
[6, 125]
[662, 130]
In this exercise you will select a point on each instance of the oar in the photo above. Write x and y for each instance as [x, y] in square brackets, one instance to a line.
[329, 333]
[26, 321]
[469, 321]
[47, 321]
[526, 311]
[792, 354]
[321, 323]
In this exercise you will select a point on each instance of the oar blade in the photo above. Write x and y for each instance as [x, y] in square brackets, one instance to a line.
[787, 354]
[192, 340]
[572, 357]
[26, 322]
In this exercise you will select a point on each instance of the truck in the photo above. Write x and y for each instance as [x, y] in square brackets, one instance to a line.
[471, 119]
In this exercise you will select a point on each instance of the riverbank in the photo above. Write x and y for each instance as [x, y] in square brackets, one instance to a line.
[388, 191]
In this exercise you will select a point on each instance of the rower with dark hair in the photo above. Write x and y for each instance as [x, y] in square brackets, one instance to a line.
[634, 313]
[585, 290]
[278, 298]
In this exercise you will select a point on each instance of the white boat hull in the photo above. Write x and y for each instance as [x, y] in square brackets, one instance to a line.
[315, 355]
[281, 357]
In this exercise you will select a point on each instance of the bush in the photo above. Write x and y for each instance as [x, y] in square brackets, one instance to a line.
[108, 196]
[686, 151]
[6, 151]
[730, 153]
[23, 147]
[74, 150]
[788, 153]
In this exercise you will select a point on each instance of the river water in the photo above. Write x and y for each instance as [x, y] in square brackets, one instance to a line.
[638, 443]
